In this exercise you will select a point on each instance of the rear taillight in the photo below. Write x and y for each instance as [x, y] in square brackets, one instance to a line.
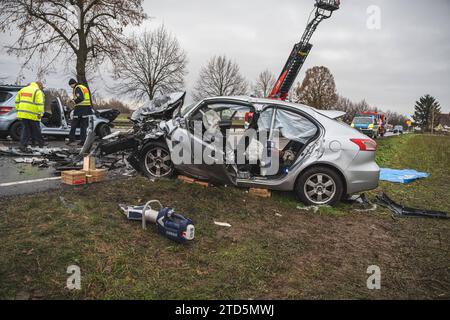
[365, 144]
[5, 110]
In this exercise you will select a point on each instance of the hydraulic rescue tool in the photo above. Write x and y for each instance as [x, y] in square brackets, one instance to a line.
[169, 223]
[324, 10]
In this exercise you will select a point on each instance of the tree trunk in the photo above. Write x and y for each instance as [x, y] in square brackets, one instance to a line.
[82, 52]
[81, 68]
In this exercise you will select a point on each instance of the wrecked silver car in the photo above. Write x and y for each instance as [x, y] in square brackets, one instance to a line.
[250, 142]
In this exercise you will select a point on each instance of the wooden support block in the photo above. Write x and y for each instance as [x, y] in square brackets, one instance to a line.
[186, 179]
[189, 180]
[202, 183]
[88, 163]
[97, 175]
[263, 193]
[90, 179]
[73, 177]
[98, 172]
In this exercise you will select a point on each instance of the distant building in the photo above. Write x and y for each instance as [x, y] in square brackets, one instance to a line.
[443, 122]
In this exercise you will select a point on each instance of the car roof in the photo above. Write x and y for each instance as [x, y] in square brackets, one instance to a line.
[10, 88]
[333, 114]
[264, 101]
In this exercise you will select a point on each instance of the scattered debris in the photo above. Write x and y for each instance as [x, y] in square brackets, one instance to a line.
[169, 223]
[16, 152]
[39, 162]
[315, 209]
[222, 224]
[62, 159]
[363, 203]
[27, 160]
[374, 207]
[401, 176]
[401, 211]
[358, 199]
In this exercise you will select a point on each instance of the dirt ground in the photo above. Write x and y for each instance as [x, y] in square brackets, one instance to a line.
[275, 249]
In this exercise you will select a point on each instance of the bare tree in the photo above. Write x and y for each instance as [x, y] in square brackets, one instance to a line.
[112, 103]
[3, 79]
[89, 30]
[264, 84]
[221, 77]
[153, 64]
[51, 94]
[318, 89]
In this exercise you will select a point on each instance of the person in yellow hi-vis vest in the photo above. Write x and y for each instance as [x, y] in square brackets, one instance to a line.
[30, 102]
[83, 109]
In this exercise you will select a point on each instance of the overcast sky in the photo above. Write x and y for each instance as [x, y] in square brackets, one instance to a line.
[390, 68]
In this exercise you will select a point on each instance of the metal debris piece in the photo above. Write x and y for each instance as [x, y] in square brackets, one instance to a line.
[363, 201]
[401, 211]
[39, 162]
[314, 209]
[222, 224]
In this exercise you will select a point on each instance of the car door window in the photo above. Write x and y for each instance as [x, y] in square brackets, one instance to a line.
[5, 96]
[212, 115]
[265, 119]
[294, 126]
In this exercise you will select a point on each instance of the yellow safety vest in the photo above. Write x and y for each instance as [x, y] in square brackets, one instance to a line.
[30, 103]
[86, 95]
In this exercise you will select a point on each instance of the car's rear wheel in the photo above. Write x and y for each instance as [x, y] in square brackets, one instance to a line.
[319, 186]
[15, 130]
[156, 161]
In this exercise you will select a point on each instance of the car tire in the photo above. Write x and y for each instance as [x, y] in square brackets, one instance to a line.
[155, 161]
[103, 130]
[319, 186]
[15, 131]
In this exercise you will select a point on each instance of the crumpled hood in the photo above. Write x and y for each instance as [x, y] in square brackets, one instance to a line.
[161, 107]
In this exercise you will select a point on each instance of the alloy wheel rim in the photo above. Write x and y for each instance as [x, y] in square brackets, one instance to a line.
[158, 163]
[320, 188]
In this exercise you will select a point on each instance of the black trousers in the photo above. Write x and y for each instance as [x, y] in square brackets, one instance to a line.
[31, 129]
[79, 122]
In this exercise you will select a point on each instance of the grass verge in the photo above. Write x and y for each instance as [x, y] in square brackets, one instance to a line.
[274, 249]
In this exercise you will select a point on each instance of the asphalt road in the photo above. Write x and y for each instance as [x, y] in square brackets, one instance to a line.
[15, 174]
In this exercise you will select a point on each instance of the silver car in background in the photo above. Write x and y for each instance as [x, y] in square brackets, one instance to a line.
[54, 123]
[320, 159]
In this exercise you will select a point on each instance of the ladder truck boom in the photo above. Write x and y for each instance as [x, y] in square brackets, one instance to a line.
[301, 50]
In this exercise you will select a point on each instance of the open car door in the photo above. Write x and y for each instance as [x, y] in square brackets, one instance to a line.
[214, 129]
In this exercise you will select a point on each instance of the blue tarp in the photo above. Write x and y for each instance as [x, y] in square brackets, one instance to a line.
[401, 176]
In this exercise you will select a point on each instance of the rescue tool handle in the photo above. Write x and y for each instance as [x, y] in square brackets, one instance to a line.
[148, 206]
[175, 217]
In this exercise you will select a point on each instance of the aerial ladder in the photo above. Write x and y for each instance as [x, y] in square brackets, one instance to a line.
[323, 10]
